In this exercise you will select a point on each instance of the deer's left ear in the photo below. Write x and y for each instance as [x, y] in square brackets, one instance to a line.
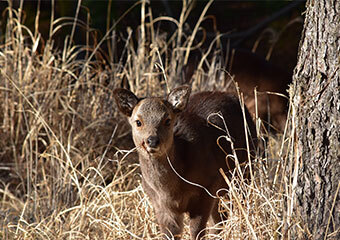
[179, 97]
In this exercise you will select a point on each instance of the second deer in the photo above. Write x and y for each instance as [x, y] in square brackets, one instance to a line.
[175, 141]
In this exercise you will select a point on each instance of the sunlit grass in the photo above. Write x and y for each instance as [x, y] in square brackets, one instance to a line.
[66, 171]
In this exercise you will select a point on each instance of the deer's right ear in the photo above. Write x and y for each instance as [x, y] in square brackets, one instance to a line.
[126, 100]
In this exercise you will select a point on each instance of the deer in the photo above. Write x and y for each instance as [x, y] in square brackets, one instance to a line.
[252, 71]
[177, 140]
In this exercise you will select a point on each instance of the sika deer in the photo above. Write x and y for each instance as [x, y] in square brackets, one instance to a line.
[252, 71]
[175, 130]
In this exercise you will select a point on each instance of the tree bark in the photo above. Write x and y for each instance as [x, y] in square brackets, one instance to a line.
[316, 104]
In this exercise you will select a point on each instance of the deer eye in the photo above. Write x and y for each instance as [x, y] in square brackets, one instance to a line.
[167, 122]
[138, 123]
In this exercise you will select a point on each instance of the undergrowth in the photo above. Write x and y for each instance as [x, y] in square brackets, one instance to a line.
[66, 169]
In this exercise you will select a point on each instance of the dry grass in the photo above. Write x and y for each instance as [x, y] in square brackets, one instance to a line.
[63, 173]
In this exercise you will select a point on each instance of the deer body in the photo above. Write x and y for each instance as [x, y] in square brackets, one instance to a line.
[174, 134]
[251, 71]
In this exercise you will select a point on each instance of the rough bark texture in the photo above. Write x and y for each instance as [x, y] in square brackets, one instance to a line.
[316, 94]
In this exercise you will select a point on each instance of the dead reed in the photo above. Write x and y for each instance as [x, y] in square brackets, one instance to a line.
[63, 171]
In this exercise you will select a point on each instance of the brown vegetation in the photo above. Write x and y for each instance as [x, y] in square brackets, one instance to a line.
[64, 173]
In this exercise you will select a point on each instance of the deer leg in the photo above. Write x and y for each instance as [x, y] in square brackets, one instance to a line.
[171, 224]
[217, 217]
[199, 215]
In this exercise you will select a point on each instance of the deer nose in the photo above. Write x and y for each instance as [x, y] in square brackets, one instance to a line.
[153, 141]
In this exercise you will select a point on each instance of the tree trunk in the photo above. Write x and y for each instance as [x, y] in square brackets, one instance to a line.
[316, 104]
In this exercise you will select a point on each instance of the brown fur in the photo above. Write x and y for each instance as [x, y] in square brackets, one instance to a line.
[177, 128]
[252, 71]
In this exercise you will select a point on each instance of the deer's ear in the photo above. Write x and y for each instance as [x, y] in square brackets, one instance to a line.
[179, 97]
[126, 100]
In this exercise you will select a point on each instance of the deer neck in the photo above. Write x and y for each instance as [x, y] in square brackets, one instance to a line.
[157, 170]
[149, 161]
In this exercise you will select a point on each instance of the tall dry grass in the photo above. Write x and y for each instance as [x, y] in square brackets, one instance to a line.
[66, 169]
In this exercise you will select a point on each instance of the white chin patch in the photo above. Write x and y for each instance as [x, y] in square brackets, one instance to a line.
[151, 151]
